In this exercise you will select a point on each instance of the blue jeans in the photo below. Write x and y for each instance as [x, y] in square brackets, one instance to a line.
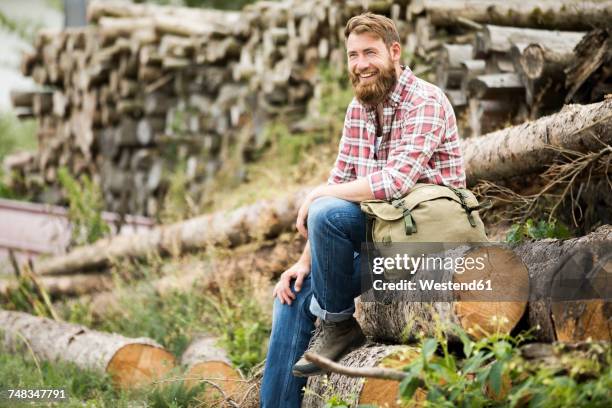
[336, 229]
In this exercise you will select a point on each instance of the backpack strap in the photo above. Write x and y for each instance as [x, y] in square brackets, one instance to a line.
[409, 224]
[469, 209]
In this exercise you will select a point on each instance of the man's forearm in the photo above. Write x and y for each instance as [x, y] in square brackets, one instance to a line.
[305, 257]
[356, 191]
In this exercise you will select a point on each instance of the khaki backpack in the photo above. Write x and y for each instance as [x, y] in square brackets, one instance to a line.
[428, 213]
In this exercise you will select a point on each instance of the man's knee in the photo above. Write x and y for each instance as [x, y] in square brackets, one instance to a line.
[327, 210]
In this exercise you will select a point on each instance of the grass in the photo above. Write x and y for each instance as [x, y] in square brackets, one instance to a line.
[18, 371]
[228, 310]
[87, 388]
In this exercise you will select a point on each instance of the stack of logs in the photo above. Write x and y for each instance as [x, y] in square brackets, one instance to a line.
[146, 90]
[508, 75]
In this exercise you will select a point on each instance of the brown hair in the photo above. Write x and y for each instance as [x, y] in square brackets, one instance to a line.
[376, 24]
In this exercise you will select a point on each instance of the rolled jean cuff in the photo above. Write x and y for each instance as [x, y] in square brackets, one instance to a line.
[323, 314]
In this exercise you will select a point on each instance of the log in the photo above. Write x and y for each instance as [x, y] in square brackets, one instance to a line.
[578, 319]
[490, 115]
[496, 86]
[496, 39]
[205, 361]
[262, 219]
[523, 149]
[553, 14]
[268, 261]
[379, 392]
[129, 362]
[448, 70]
[64, 286]
[569, 299]
[592, 55]
[398, 316]
[557, 359]
[540, 59]
[22, 99]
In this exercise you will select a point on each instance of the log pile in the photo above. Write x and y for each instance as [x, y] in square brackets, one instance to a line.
[144, 91]
[507, 75]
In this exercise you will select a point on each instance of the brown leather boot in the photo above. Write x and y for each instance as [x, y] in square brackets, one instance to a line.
[332, 340]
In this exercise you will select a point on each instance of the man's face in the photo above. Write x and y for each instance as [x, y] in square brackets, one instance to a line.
[371, 67]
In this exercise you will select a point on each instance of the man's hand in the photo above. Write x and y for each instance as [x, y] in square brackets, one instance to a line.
[298, 271]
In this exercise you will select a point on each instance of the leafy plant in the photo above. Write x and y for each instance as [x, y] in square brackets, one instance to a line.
[537, 230]
[491, 372]
[85, 208]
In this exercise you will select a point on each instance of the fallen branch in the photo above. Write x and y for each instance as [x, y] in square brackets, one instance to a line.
[368, 372]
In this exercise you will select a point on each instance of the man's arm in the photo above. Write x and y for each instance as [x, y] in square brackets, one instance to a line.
[356, 191]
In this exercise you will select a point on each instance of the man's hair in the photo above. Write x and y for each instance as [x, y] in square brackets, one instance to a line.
[376, 24]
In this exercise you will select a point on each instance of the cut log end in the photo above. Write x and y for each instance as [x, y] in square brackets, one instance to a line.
[500, 309]
[384, 393]
[532, 61]
[582, 320]
[221, 374]
[138, 364]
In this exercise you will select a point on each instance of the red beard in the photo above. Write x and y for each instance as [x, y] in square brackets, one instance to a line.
[374, 92]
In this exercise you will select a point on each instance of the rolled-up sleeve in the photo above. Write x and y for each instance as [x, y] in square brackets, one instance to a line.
[422, 131]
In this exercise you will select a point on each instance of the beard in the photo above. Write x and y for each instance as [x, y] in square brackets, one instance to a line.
[374, 92]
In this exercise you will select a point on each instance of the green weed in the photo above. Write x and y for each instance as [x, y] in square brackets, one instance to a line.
[491, 372]
[85, 208]
[537, 230]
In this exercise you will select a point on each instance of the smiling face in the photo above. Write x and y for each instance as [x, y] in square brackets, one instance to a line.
[373, 68]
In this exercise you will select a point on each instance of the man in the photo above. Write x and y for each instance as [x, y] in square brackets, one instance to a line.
[398, 130]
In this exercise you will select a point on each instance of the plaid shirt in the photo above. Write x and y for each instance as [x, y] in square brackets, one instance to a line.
[420, 142]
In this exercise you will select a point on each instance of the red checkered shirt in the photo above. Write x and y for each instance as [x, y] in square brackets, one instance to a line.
[420, 142]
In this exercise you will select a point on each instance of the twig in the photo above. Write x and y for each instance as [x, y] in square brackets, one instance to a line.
[565, 174]
[370, 372]
[29, 271]
[227, 399]
[27, 343]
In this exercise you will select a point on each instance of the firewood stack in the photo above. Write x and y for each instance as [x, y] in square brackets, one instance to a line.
[504, 63]
[145, 91]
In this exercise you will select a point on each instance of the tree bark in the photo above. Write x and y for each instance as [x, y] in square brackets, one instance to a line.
[553, 14]
[129, 362]
[522, 149]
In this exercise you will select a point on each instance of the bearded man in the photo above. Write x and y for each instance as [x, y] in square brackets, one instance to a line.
[398, 130]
